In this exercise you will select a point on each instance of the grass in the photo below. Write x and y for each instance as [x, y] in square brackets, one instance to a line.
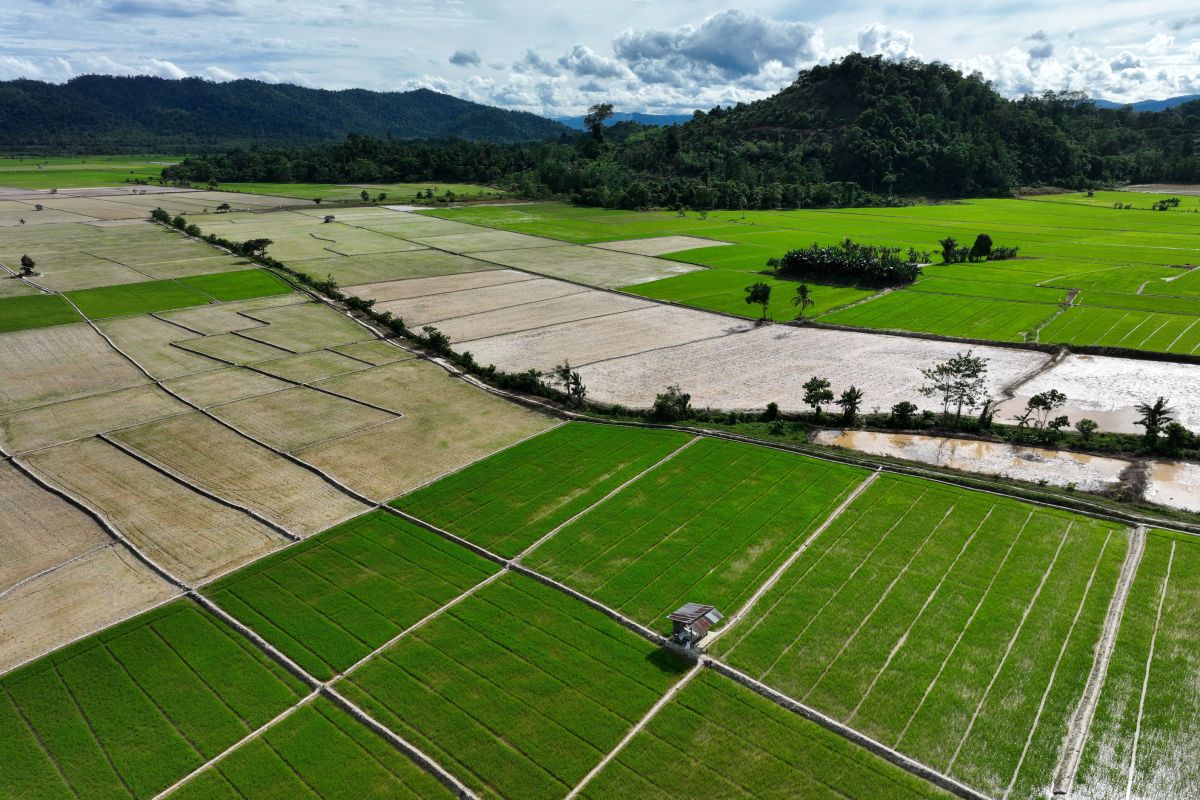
[79, 172]
[1172, 707]
[716, 739]
[920, 608]
[331, 600]
[508, 501]
[1064, 245]
[724, 290]
[130, 711]
[1135, 330]
[34, 311]
[240, 285]
[334, 192]
[136, 298]
[318, 752]
[708, 526]
[519, 690]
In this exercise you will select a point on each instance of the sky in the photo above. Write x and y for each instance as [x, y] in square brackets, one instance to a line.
[557, 57]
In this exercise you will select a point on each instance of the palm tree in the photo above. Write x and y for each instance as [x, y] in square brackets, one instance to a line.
[850, 402]
[803, 299]
[1154, 418]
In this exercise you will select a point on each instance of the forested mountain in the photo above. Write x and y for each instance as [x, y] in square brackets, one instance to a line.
[857, 131]
[579, 123]
[1151, 105]
[142, 114]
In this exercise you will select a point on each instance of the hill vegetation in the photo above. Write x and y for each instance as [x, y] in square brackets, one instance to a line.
[99, 113]
[858, 131]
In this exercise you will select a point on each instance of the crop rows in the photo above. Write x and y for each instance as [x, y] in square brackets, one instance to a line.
[1136, 330]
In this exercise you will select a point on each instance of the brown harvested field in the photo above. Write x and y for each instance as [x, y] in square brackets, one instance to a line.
[11, 286]
[603, 268]
[46, 216]
[299, 417]
[100, 273]
[658, 245]
[223, 386]
[448, 423]
[374, 352]
[96, 207]
[604, 338]
[80, 597]
[311, 366]
[40, 529]
[572, 308]
[418, 287]
[749, 370]
[478, 240]
[56, 423]
[148, 341]
[190, 535]
[430, 308]
[234, 468]
[305, 327]
[228, 317]
[46, 365]
[352, 270]
[351, 241]
[232, 348]
[166, 247]
[409, 225]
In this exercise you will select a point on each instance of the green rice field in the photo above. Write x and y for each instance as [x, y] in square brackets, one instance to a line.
[130, 711]
[519, 689]
[50, 172]
[1135, 259]
[336, 192]
[35, 311]
[335, 598]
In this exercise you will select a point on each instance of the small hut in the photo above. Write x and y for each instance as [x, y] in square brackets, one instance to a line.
[691, 622]
[330, 217]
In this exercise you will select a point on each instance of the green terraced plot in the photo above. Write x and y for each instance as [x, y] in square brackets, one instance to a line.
[128, 712]
[718, 740]
[243, 284]
[508, 501]
[519, 690]
[947, 315]
[957, 626]
[709, 526]
[331, 600]
[318, 752]
[1149, 699]
[35, 311]
[136, 298]
[724, 290]
[1116, 327]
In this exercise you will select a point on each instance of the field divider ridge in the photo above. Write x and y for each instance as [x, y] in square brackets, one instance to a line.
[635, 730]
[1137, 732]
[895, 757]
[770, 582]
[521, 555]
[181, 480]
[1081, 721]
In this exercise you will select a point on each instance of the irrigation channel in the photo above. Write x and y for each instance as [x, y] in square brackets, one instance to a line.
[1175, 484]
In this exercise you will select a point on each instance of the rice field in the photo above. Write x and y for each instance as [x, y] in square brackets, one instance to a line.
[956, 627]
[508, 501]
[505, 688]
[708, 526]
[130, 711]
[716, 739]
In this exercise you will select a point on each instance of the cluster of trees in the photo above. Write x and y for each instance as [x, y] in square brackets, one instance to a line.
[982, 249]
[852, 262]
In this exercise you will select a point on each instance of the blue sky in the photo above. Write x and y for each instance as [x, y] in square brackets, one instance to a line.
[559, 56]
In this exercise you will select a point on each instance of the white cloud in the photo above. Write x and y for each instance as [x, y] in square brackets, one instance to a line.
[1126, 60]
[214, 73]
[891, 43]
[583, 62]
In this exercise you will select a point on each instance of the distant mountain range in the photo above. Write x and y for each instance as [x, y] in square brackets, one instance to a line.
[1150, 105]
[658, 120]
[101, 113]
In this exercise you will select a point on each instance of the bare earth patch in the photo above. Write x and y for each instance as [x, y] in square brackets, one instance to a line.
[229, 317]
[606, 269]
[299, 417]
[45, 365]
[659, 245]
[771, 364]
[149, 341]
[571, 308]
[418, 287]
[312, 366]
[224, 386]
[434, 307]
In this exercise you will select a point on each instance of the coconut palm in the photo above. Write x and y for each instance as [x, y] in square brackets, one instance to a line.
[803, 299]
[1154, 417]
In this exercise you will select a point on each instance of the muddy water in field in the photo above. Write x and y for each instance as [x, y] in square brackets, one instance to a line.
[1089, 473]
[1175, 484]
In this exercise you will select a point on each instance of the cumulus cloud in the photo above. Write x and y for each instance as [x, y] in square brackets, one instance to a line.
[583, 62]
[730, 45]
[214, 73]
[1160, 44]
[1126, 60]
[155, 8]
[465, 58]
[891, 43]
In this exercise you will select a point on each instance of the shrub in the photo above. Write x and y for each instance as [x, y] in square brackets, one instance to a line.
[860, 263]
[673, 404]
